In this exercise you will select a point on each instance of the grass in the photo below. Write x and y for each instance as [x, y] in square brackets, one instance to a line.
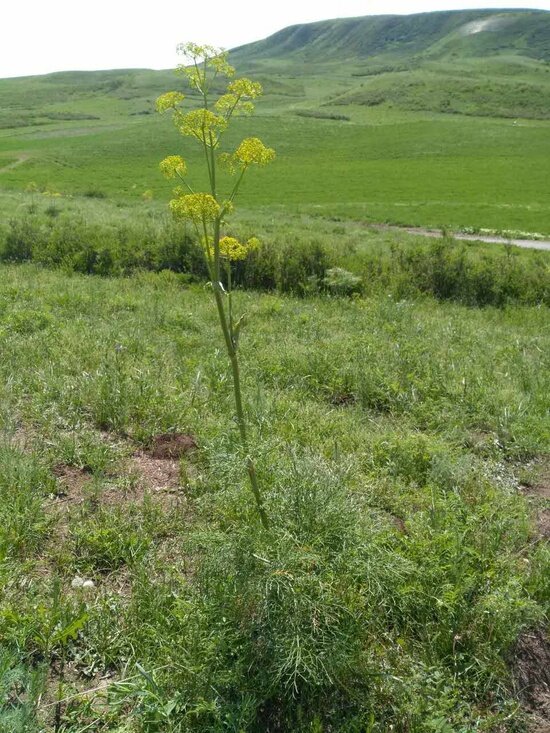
[389, 437]
[396, 390]
[441, 172]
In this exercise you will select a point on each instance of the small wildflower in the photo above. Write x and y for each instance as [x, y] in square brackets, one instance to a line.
[196, 52]
[233, 250]
[214, 57]
[245, 88]
[172, 166]
[229, 104]
[221, 66]
[226, 161]
[167, 101]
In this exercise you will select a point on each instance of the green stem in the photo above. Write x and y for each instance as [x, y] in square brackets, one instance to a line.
[241, 420]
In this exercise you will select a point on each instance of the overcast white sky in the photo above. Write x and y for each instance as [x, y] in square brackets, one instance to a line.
[41, 36]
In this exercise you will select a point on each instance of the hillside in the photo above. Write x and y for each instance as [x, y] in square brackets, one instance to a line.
[473, 62]
[462, 33]
[435, 119]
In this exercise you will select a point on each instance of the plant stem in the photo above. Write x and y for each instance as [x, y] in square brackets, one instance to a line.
[241, 421]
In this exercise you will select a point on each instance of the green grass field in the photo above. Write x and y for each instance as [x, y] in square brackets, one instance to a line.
[455, 135]
[391, 439]
[396, 391]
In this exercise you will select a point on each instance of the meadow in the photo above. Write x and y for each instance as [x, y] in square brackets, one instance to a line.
[396, 392]
[396, 443]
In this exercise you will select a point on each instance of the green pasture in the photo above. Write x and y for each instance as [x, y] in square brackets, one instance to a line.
[391, 437]
[445, 171]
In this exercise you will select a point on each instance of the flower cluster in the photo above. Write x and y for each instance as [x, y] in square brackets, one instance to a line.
[252, 150]
[214, 57]
[238, 96]
[245, 88]
[172, 166]
[201, 124]
[170, 100]
[232, 249]
[198, 207]
[229, 104]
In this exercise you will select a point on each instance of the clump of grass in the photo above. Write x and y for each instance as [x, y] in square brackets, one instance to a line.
[24, 484]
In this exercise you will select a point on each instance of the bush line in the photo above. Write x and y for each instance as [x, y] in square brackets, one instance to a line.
[444, 269]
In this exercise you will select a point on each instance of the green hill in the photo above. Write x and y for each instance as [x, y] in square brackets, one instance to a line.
[397, 118]
[474, 62]
[457, 32]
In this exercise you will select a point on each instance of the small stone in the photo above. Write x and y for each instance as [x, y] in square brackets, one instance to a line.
[82, 584]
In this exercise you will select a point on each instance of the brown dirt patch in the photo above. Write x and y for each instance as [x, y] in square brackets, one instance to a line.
[539, 484]
[172, 446]
[157, 474]
[72, 480]
[531, 672]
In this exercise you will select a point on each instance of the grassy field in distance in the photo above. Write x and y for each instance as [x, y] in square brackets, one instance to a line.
[416, 148]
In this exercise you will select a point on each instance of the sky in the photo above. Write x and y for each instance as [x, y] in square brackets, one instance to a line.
[42, 36]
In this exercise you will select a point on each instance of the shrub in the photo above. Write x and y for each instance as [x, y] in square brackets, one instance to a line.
[341, 282]
[293, 267]
[24, 238]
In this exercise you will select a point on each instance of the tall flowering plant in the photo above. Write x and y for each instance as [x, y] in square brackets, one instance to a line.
[208, 210]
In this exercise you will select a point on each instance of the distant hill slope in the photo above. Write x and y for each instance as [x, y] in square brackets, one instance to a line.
[463, 33]
[491, 63]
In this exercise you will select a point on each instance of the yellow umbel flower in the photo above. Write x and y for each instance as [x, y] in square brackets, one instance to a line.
[199, 207]
[214, 57]
[236, 100]
[200, 123]
[229, 104]
[233, 250]
[172, 166]
[245, 88]
[196, 52]
[252, 150]
[170, 100]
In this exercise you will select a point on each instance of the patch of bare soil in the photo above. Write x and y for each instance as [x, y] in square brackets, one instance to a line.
[156, 474]
[531, 672]
[158, 467]
[72, 481]
[172, 445]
